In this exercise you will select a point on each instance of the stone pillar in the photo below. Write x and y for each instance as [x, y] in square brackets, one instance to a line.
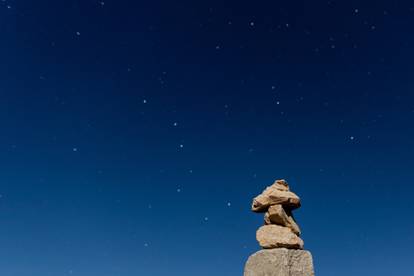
[280, 262]
[282, 253]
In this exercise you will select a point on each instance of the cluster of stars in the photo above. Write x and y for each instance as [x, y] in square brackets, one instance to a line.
[219, 47]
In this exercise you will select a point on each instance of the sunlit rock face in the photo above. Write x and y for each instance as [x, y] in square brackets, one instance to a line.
[279, 216]
[280, 262]
[275, 236]
[278, 193]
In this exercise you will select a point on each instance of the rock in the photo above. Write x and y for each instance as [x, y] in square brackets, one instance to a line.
[275, 236]
[281, 184]
[280, 262]
[278, 193]
[277, 215]
[283, 253]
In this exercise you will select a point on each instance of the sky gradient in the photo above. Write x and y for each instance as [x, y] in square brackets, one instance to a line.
[134, 134]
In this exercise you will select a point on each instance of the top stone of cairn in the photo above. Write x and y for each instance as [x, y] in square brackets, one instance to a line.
[277, 193]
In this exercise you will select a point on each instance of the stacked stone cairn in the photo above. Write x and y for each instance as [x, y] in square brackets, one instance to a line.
[282, 253]
[280, 229]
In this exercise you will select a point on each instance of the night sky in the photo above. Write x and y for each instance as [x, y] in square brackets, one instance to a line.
[134, 134]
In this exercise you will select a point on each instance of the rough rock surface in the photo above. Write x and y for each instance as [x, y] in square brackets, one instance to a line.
[275, 236]
[278, 193]
[280, 262]
[277, 215]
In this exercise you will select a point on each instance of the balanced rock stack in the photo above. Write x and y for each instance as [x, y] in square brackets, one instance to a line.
[280, 229]
[283, 253]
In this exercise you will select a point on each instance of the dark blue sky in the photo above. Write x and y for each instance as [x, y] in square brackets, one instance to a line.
[134, 134]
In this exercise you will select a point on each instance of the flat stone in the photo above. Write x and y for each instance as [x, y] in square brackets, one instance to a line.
[277, 193]
[278, 215]
[275, 236]
[280, 262]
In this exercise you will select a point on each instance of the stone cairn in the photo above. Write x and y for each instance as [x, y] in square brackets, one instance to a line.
[282, 253]
[280, 229]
